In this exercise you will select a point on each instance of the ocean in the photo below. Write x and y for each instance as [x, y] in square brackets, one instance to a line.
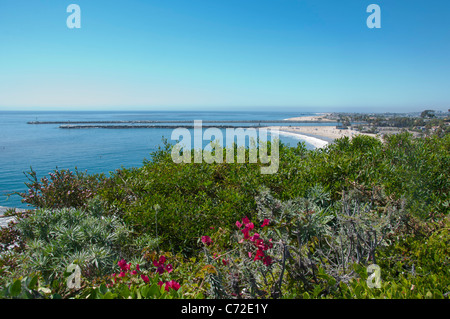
[46, 147]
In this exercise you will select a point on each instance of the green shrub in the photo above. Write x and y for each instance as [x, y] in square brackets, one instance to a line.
[54, 239]
[64, 189]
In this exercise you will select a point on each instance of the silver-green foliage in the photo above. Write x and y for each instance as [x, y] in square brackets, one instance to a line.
[57, 238]
[333, 236]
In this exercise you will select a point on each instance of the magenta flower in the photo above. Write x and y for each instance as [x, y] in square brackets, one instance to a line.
[162, 260]
[145, 278]
[267, 260]
[160, 269]
[175, 285]
[169, 268]
[172, 284]
[259, 255]
[134, 272]
[206, 240]
[122, 264]
[254, 237]
[122, 274]
[245, 232]
[265, 223]
[137, 267]
[245, 220]
[238, 224]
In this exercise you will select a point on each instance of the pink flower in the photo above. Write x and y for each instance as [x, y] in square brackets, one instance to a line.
[160, 284]
[134, 272]
[238, 224]
[122, 274]
[137, 267]
[172, 284]
[245, 232]
[206, 240]
[270, 245]
[259, 255]
[267, 260]
[145, 278]
[225, 262]
[122, 264]
[169, 268]
[175, 285]
[250, 226]
[265, 222]
[245, 220]
[254, 237]
[162, 260]
[160, 269]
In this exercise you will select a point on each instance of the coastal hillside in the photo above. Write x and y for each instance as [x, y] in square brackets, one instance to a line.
[316, 229]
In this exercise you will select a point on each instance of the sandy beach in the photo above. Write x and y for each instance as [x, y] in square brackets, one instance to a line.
[321, 118]
[317, 142]
[319, 136]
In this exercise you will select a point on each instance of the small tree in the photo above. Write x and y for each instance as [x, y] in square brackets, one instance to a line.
[427, 114]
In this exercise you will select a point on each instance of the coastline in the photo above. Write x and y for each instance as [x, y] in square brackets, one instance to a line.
[317, 142]
[318, 136]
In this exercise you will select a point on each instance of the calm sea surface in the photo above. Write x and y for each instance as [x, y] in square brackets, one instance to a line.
[47, 147]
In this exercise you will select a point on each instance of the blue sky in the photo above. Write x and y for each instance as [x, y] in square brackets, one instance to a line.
[301, 55]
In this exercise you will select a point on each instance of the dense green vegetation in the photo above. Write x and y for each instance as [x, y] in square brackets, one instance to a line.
[167, 230]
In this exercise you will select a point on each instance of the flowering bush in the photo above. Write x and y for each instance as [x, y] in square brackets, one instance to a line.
[64, 189]
[257, 241]
[246, 269]
[134, 283]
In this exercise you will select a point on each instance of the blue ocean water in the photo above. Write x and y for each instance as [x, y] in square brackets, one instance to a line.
[96, 150]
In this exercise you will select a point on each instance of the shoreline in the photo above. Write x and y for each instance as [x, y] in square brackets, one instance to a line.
[317, 142]
[318, 136]
[327, 133]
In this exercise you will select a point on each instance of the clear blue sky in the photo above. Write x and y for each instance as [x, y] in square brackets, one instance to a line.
[313, 55]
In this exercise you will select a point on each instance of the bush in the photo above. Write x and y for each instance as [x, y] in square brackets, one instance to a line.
[179, 202]
[303, 246]
[308, 231]
[64, 189]
[54, 239]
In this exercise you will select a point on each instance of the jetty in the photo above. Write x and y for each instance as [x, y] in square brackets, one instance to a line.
[118, 127]
[156, 124]
[165, 122]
